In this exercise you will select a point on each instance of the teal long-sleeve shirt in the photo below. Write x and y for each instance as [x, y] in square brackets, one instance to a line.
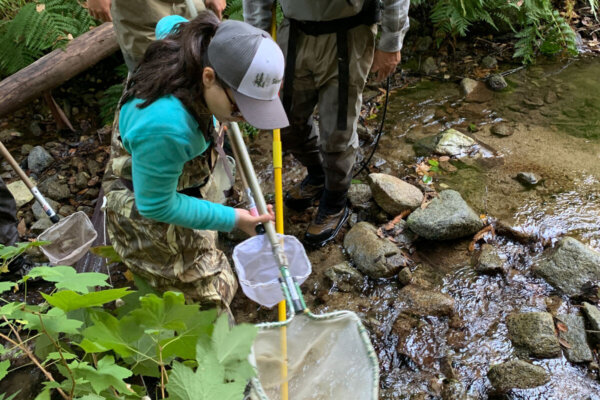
[161, 138]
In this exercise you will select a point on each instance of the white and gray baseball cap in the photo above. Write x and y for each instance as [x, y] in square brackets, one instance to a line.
[252, 65]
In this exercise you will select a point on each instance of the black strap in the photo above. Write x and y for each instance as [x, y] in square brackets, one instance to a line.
[290, 66]
[343, 79]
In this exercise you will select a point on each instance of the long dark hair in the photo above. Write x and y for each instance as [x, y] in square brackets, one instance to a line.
[174, 65]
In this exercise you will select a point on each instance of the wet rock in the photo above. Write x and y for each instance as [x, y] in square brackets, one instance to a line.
[489, 62]
[423, 43]
[88, 210]
[453, 143]
[489, 260]
[447, 166]
[502, 130]
[7, 135]
[570, 266]
[593, 316]
[453, 390]
[446, 217]
[468, 85]
[517, 374]
[417, 301]
[25, 149]
[533, 333]
[533, 102]
[403, 237]
[39, 159]
[344, 276]
[425, 146]
[578, 350]
[81, 180]
[405, 276]
[394, 195]
[402, 328]
[38, 211]
[41, 225]
[551, 97]
[35, 129]
[371, 254]
[92, 193]
[24, 383]
[429, 66]
[480, 94]
[528, 178]
[496, 82]
[53, 187]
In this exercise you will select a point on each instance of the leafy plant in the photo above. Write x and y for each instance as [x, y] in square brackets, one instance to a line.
[110, 100]
[87, 351]
[538, 26]
[38, 27]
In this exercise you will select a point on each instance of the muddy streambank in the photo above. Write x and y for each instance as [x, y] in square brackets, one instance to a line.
[440, 325]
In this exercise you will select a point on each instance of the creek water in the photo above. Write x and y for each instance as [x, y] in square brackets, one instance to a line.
[553, 111]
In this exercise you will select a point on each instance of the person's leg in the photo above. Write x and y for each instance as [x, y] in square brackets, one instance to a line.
[8, 216]
[134, 22]
[338, 147]
[300, 138]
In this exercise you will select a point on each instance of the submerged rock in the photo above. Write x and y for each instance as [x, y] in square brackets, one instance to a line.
[446, 217]
[570, 266]
[371, 254]
[344, 276]
[502, 130]
[489, 62]
[394, 195]
[468, 85]
[423, 302]
[454, 143]
[593, 316]
[528, 178]
[497, 82]
[429, 66]
[578, 350]
[489, 260]
[533, 332]
[517, 374]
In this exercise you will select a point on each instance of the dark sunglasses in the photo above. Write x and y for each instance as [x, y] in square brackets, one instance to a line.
[235, 111]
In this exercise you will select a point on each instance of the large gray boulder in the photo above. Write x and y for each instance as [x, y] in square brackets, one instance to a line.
[517, 374]
[578, 349]
[534, 333]
[569, 266]
[39, 159]
[421, 302]
[372, 255]
[394, 195]
[446, 217]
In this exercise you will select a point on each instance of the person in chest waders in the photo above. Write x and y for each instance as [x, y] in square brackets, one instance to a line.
[161, 183]
[330, 48]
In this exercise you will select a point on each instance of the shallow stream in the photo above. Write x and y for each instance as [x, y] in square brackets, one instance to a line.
[554, 113]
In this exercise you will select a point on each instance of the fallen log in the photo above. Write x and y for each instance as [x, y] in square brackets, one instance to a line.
[56, 68]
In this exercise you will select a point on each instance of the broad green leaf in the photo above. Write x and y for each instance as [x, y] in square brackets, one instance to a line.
[91, 396]
[55, 355]
[67, 278]
[232, 344]
[4, 366]
[107, 252]
[55, 321]
[207, 383]
[105, 375]
[69, 300]
[9, 252]
[111, 334]
[12, 396]
[11, 310]
[2, 350]
[5, 286]
[44, 395]
[132, 301]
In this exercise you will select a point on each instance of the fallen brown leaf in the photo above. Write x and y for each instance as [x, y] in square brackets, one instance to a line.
[481, 234]
[562, 327]
[22, 227]
[564, 343]
[390, 225]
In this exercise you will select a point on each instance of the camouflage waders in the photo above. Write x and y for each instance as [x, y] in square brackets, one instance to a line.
[169, 257]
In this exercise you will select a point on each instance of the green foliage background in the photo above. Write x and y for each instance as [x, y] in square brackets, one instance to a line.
[87, 349]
